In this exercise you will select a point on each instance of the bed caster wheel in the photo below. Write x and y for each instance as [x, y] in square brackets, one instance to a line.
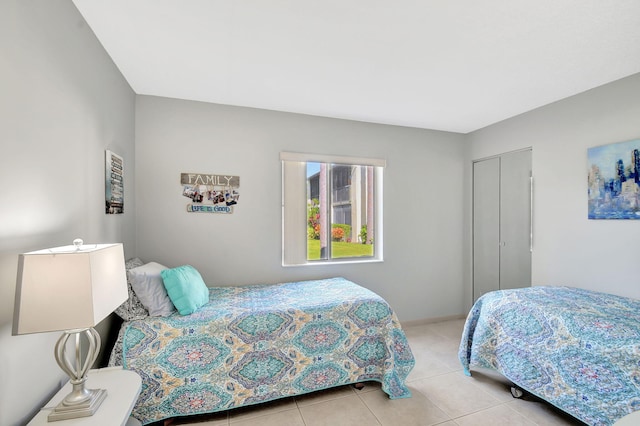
[516, 392]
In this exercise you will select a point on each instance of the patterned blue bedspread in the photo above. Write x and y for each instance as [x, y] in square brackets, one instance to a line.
[254, 344]
[577, 349]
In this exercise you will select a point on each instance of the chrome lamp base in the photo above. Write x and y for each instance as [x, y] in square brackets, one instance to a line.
[80, 402]
[84, 409]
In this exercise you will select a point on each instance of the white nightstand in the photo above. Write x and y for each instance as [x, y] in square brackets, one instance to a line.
[123, 388]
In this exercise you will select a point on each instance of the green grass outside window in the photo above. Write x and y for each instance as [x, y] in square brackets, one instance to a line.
[339, 249]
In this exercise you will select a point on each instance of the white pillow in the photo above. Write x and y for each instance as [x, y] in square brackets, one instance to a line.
[149, 287]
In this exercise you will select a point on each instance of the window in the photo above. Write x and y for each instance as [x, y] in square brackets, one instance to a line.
[331, 209]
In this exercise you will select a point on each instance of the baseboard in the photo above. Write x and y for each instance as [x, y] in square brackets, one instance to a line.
[425, 321]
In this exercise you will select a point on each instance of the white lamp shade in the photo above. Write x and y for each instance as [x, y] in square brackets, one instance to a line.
[66, 288]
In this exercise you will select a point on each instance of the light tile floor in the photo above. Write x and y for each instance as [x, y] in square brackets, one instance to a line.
[442, 395]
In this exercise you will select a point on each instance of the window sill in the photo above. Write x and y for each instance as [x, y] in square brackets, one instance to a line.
[333, 262]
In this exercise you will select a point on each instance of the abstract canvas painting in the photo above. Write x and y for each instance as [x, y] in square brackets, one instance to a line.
[614, 181]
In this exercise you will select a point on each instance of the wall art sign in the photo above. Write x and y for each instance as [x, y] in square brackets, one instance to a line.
[614, 181]
[210, 193]
[114, 183]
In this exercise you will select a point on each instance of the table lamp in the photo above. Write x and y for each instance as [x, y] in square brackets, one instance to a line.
[71, 288]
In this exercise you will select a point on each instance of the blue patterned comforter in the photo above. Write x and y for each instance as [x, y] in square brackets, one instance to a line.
[254, 344]
[577, 349]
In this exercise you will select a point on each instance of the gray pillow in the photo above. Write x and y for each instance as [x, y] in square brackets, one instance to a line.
[149, 286]
[132, 308]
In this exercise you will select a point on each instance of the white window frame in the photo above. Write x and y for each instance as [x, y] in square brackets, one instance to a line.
[294, 207]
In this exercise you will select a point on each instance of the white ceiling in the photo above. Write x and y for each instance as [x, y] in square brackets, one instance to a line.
[454, 65]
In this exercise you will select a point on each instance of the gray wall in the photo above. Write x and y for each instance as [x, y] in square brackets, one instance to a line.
[63, 103]
[422, 272]
[569, 249]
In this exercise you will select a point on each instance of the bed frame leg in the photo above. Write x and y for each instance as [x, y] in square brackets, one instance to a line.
[168, 422]
[359, 386]
[516, 392]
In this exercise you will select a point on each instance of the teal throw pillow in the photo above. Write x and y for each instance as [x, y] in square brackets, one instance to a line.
[185, 288]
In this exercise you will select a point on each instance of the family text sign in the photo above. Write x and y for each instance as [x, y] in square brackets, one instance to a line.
[210, 193]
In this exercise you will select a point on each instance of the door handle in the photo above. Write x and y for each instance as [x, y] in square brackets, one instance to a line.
[531, 212]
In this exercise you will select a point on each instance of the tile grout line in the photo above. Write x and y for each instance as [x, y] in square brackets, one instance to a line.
[366, 405]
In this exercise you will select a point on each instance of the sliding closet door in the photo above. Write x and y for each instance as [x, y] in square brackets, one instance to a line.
[502, 223]
[515, 220]
[486, 226]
